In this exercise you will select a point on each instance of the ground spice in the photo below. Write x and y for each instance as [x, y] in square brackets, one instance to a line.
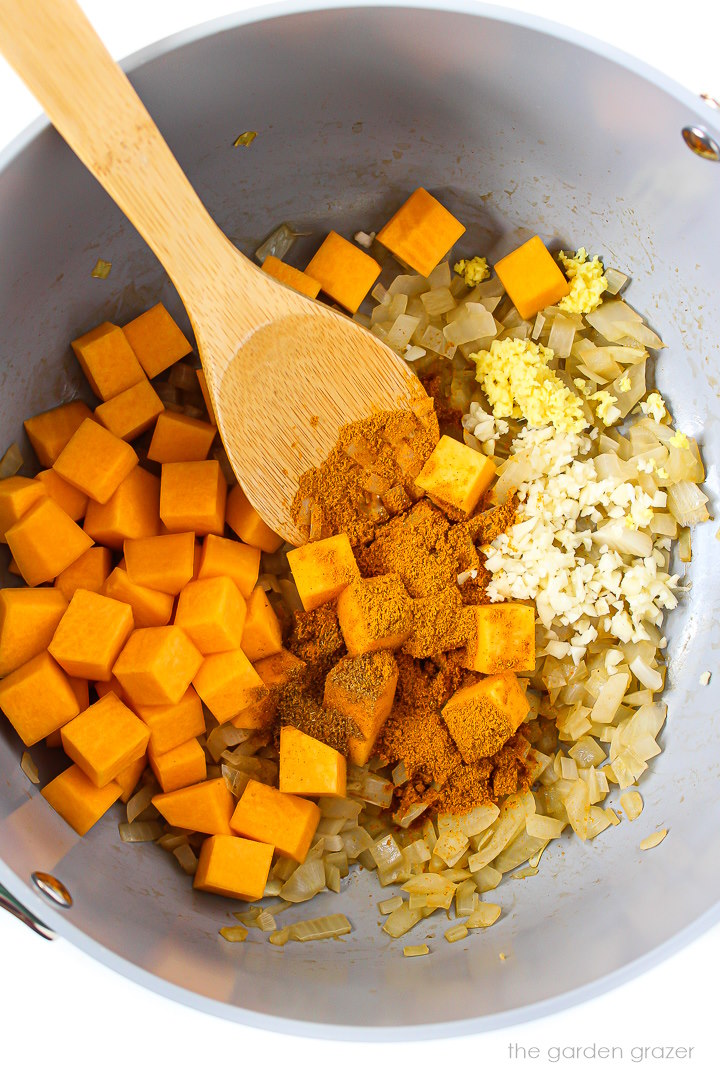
[362, 679]
[382, 607]
[438, 624]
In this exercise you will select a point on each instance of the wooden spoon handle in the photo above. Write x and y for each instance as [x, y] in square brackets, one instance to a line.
[57, 53]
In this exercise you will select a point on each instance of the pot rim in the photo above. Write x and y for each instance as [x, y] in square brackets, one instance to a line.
[699, 110]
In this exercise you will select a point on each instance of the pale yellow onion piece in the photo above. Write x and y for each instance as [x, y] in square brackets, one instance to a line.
[29, 767]
[391, 904]
[356, 840]
[430, 900]
[416, 950]
[526, 872]
[138, 832]
[487, 879]
[465, 898]
[266, 922]
[280, 937]
[609, 699]
[471, 823]
[249, 917]
[534, 860]
[332, 806]
[587, 752]
[401, 920]
[332, 878]
[456, 933]
[544, 828]
[511, 820]
[517, 852]
[327, 926]
[632, 804]
[234, 933]
[187, 859]
[598, 820]
[653, 840]
[141, 800]
[422, 884]
[11, 462]
[387, 854]
[577, 805]
[451, 846]
[484, 915]
[456, 874]
[417, 852]
[330, 827]
[305, 882]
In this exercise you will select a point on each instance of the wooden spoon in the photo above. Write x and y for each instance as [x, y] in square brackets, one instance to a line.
[284, 372]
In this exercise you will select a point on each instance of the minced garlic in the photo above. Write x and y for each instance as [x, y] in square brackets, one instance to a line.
[605, 408]
[625, 384]
[473, 270]
[587, 282]
[680, 440]
[518, 382]
[654, 407]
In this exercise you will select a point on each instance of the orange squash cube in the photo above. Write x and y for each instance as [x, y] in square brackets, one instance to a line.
[228, 683]
[244, 520]
[482, 717]
[49, 432]
[374, 613]
[296, 279]
[17, 495]
[37, 698]
[206, 807]
[172, 725]
[455, 475]
[81, 690]
[78, 800]
[129, 778]
[323, 569]
[91, 634]
[72, 501]
[88, 572]
[231, 866]
[212, 614]
[96, 461]
[165, 563]
[45, 542]
[229, 558]
[261, 634]
[177, 768]
[192, 497]
[308, 766]
[157, 665]
[157, 340]
[531, 277]
[28, 620]
[108, 362]
[285, 821]
[275, 671]
[130, 413]
[149, 606]
[421, 233]
[180, 438]
[363, 689]
[502, 638]
[132, 512]
[344, 271]
[104, 739]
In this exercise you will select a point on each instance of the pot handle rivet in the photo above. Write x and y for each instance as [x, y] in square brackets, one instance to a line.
[701, 142]
[52, 889]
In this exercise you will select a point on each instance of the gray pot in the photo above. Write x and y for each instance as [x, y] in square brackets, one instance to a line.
[518, 127]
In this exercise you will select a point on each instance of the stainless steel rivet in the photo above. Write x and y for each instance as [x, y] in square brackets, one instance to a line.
[53, 889]
[701, 143]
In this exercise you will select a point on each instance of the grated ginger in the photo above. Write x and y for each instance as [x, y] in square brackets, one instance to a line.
[473, 270]
[587, 282]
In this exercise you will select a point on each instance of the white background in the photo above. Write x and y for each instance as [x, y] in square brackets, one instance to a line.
[62, 1015]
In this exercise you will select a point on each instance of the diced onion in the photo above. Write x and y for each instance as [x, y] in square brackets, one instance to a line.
[653, 840]
[484, 915]
[307, 881]
[139, 831]
[29, 767]
[11, 462]
[233, 933]
[328, 926]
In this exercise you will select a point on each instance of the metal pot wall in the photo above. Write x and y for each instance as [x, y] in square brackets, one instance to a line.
[518, 127]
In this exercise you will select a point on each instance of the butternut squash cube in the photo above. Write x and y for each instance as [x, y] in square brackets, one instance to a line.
[421, 233]
[91, 634]
[165, 563]
[180, 438]
[244, 520]
[531, 277]
[206, 807]
[172, 725]
[261, 635]
[45, 542]
[344, 271]
[157, 340]
[72, 501]
[49, 432]
[482, 717]
[363, 689]
[130, 413]
[157, 665]
[296, 279]
[455, 475]
[37, 698]
[129, 778]
[132, 512]
[275, 671]
[502, 638]
[104, 739]
[228, 683]
[28, 620]
[192, 497]
[108, 362]
[17, 495]
[177, 768]
[81, 690]
[78, 800]
[88, 572]
[374, 613]
[149, 606]
[212, 614]
[323, 569]
[270, 816]
[96, 461]
[231, 866]
[229, 558]
[308, 766]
